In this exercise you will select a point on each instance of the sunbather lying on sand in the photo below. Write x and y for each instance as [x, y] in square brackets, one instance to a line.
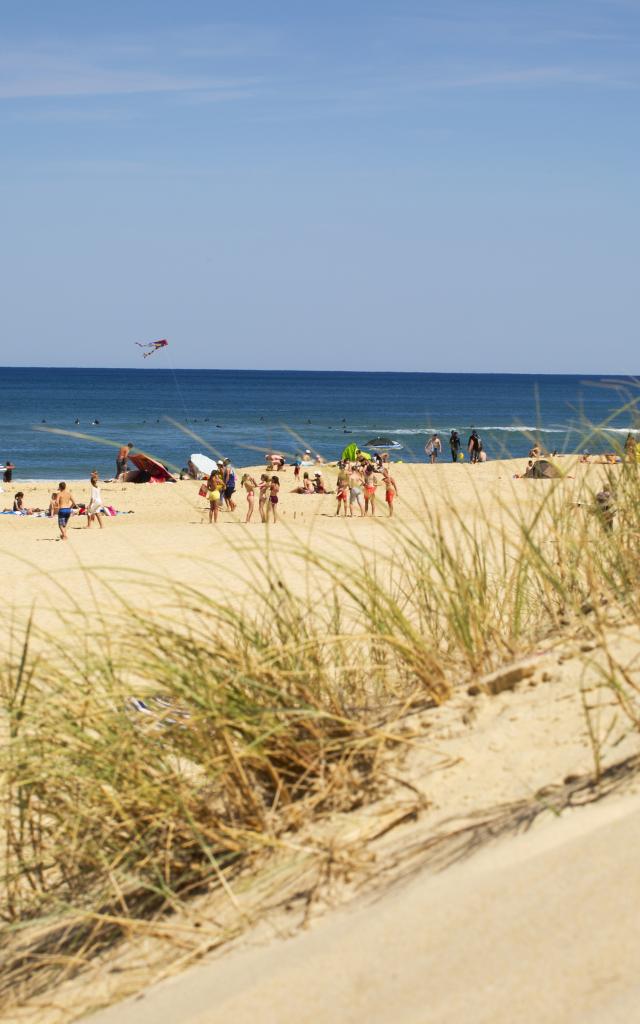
[307, 486]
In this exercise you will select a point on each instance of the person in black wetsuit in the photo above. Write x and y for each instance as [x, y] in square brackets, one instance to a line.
[474, 446]
[454, 444]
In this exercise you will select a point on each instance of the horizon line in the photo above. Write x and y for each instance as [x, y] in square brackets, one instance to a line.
[424, 373]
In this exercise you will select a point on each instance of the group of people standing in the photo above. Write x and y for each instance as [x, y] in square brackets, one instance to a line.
[475, 448]
[357, 485]
[220, 487]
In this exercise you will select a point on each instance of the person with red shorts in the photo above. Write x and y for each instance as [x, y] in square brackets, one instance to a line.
[342, 491]
[370, 484]
[390, 488]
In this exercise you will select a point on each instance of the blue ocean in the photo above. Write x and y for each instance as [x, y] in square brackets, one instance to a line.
[245, 413]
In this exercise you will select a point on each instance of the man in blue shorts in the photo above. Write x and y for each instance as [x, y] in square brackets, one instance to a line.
[65, 505]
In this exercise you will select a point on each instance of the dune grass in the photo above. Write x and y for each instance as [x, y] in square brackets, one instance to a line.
[256, 720]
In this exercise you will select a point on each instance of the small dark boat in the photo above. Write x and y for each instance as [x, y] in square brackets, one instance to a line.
[384, 442]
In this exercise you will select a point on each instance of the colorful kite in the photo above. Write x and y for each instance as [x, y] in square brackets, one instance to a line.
[153, 346]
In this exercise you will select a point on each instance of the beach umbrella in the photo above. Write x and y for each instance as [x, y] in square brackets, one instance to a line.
[350, 453]
[203, 464]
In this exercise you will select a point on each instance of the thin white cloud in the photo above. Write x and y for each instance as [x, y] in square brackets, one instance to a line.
[46, 77]
[520, 76]
[227, 42]
[117, 66]
[68, 115]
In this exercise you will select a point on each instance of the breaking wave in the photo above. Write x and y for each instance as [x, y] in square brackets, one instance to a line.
[513, 430]
[424, 431]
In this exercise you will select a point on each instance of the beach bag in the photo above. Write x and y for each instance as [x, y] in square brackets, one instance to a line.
[203, 490]
[460, 456]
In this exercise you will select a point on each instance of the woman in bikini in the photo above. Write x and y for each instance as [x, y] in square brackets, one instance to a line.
[263, 495]
[274, 487]
[342, 491]
[215, 486]
[249, 485]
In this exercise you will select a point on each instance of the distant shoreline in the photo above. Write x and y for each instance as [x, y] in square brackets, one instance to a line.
[533, 375]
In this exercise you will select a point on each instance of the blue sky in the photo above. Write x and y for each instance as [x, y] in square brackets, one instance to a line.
[412, 186]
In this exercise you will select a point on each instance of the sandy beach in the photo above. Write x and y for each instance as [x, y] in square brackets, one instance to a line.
[167, 534]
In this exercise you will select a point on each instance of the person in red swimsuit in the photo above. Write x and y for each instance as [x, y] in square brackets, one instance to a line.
[390, 488]
[342, 491]
[370, 484]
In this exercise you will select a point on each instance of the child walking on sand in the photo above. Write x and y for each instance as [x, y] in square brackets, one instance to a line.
[95, 509]
[274, 487]
[249, 485]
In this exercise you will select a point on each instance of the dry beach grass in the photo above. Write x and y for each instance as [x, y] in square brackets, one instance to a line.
[283, 672]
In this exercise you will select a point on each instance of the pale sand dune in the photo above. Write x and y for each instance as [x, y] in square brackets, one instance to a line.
[542, 929]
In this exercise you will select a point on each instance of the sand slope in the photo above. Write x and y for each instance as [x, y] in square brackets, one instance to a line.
[538, 928]
[542, 929]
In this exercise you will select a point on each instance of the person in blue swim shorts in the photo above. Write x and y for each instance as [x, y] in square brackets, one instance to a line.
[65, 505]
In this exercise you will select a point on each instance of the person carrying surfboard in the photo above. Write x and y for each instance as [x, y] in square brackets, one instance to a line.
[433, 447]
